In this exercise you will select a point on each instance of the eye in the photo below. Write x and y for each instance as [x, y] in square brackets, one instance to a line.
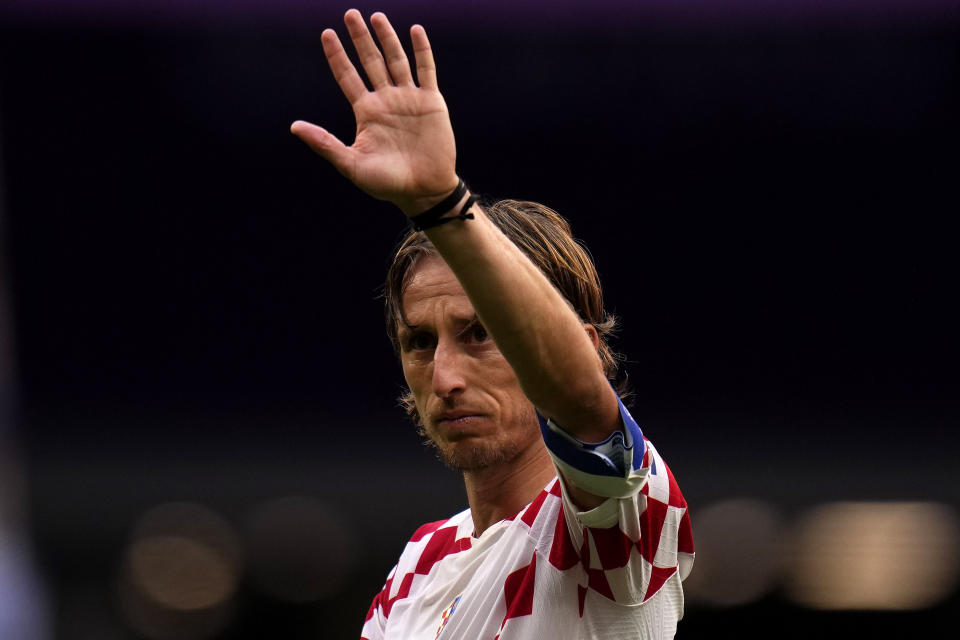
[478, 333]
[419, 341]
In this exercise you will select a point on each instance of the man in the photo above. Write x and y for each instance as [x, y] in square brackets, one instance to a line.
[576, 528]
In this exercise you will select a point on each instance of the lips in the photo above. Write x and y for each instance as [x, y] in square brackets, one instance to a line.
[458, 417]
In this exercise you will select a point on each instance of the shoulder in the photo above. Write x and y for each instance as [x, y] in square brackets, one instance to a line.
[433, 541]
[429, 543]
[426, 530]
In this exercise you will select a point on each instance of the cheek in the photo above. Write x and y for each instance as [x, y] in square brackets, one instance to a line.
[509, 394]
[414, 377]
[414, 374]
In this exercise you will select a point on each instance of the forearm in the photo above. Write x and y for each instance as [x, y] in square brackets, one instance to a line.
[535, 328]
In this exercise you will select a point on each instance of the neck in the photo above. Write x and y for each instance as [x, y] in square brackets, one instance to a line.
[500, 492]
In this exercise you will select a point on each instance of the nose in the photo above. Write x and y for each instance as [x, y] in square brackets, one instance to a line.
[449, 368]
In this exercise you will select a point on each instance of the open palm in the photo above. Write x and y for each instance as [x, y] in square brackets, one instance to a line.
[404, 149]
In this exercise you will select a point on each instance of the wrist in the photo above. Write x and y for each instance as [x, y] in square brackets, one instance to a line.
[458, 203]
[421, 204]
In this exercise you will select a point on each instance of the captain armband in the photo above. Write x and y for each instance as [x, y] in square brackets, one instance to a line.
[612, 468]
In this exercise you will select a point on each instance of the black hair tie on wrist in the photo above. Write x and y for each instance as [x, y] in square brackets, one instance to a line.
[432, 217]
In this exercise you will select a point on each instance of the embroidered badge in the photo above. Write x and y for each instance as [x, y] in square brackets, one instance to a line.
[445, 616]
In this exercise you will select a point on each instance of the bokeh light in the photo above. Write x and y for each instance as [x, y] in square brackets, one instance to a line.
[180, 572]
[861, 555]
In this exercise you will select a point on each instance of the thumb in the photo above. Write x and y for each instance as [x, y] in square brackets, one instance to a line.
[324, 144]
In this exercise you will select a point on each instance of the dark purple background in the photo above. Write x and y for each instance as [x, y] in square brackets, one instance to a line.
[766, 191]
[528, 14]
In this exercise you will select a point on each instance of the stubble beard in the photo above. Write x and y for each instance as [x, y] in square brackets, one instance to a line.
[464, 456]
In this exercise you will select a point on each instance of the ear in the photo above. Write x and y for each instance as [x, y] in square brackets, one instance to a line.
[592, 333]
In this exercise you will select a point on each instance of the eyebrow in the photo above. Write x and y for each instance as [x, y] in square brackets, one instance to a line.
[407, 327]
[470, 324]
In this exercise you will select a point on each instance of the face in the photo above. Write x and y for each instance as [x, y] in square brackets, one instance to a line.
[469, 400]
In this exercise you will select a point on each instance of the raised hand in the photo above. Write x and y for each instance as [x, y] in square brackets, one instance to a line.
[404, 149]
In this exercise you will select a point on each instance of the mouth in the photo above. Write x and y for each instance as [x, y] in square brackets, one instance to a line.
[457, 420]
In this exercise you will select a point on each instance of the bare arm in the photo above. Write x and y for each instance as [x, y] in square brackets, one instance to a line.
[404, 152]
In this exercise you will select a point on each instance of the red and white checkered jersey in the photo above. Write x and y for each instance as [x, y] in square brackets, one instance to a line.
[552, 571]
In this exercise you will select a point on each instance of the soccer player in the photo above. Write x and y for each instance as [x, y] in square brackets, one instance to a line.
[576, 527]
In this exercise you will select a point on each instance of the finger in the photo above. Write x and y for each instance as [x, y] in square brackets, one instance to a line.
[423, 54]
[343, 70]
[367, 50]
[325, 144]
[393, 51]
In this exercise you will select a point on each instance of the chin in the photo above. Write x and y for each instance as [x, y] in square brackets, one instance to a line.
[475, 456]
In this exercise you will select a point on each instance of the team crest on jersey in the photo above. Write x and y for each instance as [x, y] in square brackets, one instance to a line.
[445, 616]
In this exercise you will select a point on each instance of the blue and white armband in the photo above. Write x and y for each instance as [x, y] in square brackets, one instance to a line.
[612, 468]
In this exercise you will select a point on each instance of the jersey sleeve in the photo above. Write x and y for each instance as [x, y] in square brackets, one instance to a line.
[640, 536]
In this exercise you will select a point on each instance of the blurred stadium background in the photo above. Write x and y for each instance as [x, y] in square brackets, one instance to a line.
[198, 431]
